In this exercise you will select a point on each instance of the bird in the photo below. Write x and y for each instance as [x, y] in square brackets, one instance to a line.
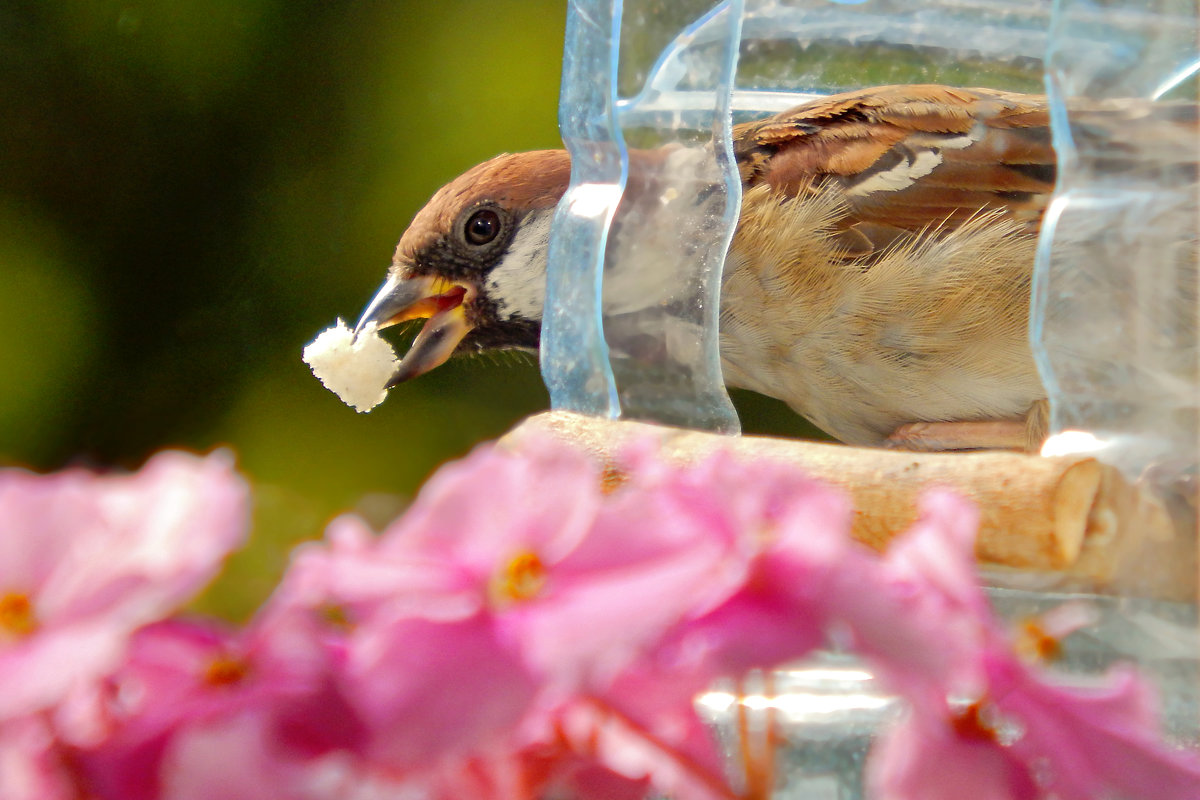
[878, 280]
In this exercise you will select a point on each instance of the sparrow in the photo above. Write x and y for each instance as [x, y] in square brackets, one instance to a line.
[878, 280]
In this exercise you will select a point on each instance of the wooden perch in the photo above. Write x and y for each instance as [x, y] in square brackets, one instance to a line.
[1068, 514]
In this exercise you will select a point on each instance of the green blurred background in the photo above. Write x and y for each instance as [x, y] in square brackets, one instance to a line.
[190, 190]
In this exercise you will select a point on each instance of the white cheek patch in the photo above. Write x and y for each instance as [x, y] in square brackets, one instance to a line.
[517, 285]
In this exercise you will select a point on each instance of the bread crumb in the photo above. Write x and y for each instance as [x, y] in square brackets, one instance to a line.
[355, 368]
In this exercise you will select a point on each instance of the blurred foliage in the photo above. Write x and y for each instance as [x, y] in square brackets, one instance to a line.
[190, 190]
[832, 66]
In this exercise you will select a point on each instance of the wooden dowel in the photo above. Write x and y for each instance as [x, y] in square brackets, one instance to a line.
[1067, 513]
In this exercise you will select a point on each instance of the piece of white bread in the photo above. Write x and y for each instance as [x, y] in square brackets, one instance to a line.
[355, 368]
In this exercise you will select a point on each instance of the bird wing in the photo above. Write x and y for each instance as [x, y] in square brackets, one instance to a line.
[908, 158]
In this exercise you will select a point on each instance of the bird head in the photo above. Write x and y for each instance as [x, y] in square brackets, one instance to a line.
[473, 262]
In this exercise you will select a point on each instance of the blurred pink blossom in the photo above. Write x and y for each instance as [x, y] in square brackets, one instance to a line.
[1026, 738]
[415, 655]
[536, 625]
[85, 559]
[184, 679]
[580, 576]
[528, 580]
[1022, 735]
[517, 579]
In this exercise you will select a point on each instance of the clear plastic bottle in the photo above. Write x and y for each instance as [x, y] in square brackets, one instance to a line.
[650, 88]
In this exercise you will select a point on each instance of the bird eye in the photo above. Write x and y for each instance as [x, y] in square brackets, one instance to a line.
[482, 226]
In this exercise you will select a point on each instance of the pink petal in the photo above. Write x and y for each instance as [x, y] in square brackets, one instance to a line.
[1093, 742]
[32, 766]
[924, 617]
[591, 620]
[922, 758]
[163, 531]
[431, 690]
[227, 760]
[356, 576]
[493, 503]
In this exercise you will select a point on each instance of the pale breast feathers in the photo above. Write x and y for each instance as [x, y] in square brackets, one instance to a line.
[880, 271]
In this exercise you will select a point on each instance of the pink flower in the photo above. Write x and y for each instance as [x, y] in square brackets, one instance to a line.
[526, 580]
[239, 757]
[414, 656]
[1022, 736]
[589, 581]
[178, 675]
[86, 559]
[182, 680]
[582, 579]
[779, 537]
[1027, 738]
[515, 577]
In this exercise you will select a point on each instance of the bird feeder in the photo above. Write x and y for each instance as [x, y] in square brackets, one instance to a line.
[1113, 316]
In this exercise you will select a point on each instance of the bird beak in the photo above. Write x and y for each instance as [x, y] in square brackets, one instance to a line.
[436, 300]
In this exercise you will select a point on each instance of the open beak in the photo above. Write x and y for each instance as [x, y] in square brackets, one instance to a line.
[436, 300]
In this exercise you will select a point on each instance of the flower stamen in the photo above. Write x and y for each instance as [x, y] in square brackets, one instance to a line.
[969, 723]
[226, 670]
[335, 616]
[612, 478]
[1038, 644]
[16, 615]
[522, 578]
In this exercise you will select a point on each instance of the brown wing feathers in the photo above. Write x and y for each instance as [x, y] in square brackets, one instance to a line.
[909, 157]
